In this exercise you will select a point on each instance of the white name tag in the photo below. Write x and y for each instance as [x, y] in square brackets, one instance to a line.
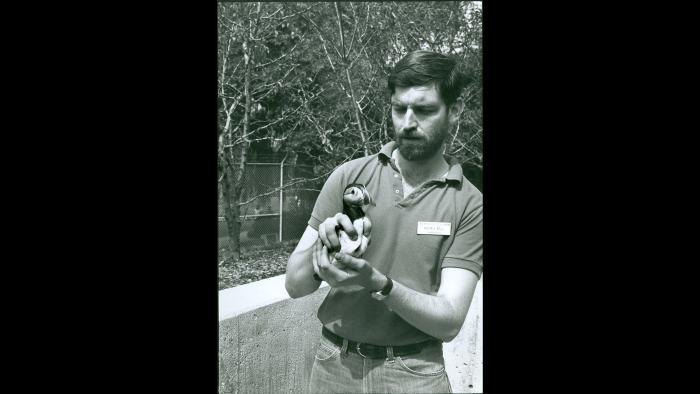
[434, 228]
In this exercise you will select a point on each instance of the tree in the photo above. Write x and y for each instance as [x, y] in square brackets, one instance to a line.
[309, 80]
[247, 32]
[358, 45]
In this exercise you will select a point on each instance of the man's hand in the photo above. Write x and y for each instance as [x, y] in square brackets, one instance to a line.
[329, 229]
[345, 270]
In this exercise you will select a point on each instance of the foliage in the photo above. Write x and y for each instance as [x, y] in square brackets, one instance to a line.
[309, 79]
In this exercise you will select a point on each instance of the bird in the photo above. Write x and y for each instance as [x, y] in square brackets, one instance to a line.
[356, 200]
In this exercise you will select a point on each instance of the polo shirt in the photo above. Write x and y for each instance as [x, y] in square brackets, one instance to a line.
[396, 249]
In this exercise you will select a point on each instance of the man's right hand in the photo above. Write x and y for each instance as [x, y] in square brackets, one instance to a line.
[328, 231]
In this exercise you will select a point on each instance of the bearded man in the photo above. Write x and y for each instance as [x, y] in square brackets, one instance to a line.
[389, 311]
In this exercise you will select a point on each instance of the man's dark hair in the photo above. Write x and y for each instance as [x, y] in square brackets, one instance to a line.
[420, 68]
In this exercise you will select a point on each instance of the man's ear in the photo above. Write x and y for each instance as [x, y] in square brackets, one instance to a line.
[456, 110]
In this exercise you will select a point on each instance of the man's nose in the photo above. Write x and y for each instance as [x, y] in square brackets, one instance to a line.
[409, 120]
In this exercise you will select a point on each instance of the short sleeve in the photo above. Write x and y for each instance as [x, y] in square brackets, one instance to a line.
[467, 249]
[330, 200]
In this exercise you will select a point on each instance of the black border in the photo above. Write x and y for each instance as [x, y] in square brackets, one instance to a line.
[148, 313]
[560, 103]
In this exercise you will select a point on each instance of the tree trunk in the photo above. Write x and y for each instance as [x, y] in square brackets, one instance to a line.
[233, 184]
[235, 169]
[231, 191]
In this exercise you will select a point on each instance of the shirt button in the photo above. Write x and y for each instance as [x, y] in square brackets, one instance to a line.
[396, 175]
[397, 190]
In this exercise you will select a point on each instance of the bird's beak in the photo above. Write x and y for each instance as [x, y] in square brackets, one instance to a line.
[366, 198]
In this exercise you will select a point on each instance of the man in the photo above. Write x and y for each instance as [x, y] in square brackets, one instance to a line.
[388, 312]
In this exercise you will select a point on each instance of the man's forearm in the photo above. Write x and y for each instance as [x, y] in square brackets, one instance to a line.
[300, 275]
[440, 315]
[431, 314]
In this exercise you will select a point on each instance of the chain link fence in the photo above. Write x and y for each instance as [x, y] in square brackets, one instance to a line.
[271, 216]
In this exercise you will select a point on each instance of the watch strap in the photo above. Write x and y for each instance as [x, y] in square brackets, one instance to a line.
[387, 287]
[384, 292]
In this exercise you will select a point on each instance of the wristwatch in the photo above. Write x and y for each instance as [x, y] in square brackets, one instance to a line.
[384, 292]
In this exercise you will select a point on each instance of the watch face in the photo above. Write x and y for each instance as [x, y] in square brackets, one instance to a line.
[378, 295]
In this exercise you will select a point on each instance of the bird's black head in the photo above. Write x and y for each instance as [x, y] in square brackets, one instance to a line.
[356, 194]
[355, 200]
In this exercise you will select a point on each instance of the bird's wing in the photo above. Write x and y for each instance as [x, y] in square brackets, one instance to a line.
[346, 244]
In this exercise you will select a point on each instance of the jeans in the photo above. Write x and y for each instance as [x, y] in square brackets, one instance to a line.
[338, 371]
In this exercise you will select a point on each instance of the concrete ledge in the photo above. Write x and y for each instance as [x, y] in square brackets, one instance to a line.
[245, 298]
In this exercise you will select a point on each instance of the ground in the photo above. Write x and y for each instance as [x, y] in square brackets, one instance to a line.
[254, 265]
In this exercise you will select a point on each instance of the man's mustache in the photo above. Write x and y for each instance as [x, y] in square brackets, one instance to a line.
[411, 135]
[408, 132]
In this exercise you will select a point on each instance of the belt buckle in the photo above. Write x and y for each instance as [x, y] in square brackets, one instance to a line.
[357, 348]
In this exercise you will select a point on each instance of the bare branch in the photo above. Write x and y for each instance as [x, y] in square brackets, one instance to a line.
[257, 19]
[267, 125]
[228, 111]
[305, 10]
[277, 82]
[231, 21]
[323, 43]
[360, 51]
[281, 57]
[285, 115]
[244, 138]
[283, 187]
[273, 14]
[233, 105]
[232, 86]
[223, 65]
[270, 138]
[235, 68]
[262, 87]
[323, 39]
[340, 29]
[354, 29]
[455, 136]
[398, 22]
[299, 180]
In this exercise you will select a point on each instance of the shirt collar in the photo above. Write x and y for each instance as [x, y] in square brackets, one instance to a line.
[385, 152]
[453, 174]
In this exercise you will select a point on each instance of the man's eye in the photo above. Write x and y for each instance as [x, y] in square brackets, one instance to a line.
[400, 109]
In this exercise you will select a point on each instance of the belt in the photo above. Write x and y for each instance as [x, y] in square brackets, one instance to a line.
[367, 350]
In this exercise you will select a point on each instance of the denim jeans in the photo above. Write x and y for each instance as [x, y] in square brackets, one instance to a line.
[338, 371]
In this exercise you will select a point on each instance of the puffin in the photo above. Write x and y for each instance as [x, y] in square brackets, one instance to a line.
[356, 200]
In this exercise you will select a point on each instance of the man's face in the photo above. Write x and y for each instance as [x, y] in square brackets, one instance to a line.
[421, 121]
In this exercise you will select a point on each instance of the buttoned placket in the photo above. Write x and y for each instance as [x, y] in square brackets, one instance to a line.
[397, 184]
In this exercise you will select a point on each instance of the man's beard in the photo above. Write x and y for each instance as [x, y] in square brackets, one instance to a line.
[421, 149]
